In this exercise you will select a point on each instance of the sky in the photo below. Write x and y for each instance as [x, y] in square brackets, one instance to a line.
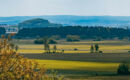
[64, 7]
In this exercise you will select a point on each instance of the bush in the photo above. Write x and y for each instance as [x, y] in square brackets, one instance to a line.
[100, 51]
[51, 41]
[41, 41]
[13, 66]
[123, 69]
[72, 38]
[75, 49]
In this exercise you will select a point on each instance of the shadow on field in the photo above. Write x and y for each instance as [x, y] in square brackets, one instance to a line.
[92, 57]
[84, 72]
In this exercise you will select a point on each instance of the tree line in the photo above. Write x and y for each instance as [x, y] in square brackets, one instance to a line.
[2, 31]
[84, 32]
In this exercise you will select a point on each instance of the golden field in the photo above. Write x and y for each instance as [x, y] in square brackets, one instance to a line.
[82, 64]
[77, 65]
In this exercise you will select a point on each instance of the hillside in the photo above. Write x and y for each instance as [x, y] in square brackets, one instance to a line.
[113, 21]
[37, 23]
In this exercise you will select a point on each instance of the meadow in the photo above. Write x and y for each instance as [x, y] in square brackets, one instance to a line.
[79, 63]
[82, 47]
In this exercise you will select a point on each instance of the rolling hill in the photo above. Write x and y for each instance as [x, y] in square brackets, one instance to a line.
[37, 23]
[112, 21]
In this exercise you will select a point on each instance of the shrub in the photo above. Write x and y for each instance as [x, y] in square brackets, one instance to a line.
[100, 51]
[63, 50]
[51, 41]
[75, 49]
[72, 38]
[123, 69]
[41, 41]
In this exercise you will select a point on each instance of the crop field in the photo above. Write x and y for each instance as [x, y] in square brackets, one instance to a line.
[77, 70]
[104, 78]
[69, 48]
[80, 63]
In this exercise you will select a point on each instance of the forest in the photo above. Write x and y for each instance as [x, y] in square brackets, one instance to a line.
[87, 32]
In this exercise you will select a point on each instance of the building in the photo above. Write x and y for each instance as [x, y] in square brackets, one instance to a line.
[10, 28]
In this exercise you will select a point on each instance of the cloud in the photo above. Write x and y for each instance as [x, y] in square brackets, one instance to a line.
[63, 7]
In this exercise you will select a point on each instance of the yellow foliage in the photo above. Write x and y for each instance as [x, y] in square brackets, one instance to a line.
[15, 67]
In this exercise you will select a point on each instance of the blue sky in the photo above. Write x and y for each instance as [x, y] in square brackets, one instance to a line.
[64, 7]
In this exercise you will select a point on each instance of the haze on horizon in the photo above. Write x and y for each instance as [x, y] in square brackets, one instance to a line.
[64, 7]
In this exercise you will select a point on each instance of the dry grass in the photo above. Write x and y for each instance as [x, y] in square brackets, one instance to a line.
[70, 48]
[28, 51]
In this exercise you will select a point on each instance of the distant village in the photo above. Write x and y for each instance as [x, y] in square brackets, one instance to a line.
[10, 28]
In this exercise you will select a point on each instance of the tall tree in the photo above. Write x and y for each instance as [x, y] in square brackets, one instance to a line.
[55, 48]
[92, 49]
[46, 45]
[16, 48]
[96, 47]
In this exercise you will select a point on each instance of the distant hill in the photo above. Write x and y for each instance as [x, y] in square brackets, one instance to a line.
[112, 21]
[37, 23]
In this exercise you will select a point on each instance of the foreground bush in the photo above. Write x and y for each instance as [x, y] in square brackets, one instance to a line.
[123, 69]
[15, 67]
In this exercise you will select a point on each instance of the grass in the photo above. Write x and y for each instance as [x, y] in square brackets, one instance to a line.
[115, 46]
[77, 69]
[69, 48]
[105, 78]
[106, 41]
[28, 51]
[77, 65]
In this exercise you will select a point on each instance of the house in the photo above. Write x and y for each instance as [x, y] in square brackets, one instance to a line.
[10, 28]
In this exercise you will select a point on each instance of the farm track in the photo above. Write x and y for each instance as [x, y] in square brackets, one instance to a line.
[93, 57]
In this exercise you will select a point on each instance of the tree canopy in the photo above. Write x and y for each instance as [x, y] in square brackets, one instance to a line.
[83, 32]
